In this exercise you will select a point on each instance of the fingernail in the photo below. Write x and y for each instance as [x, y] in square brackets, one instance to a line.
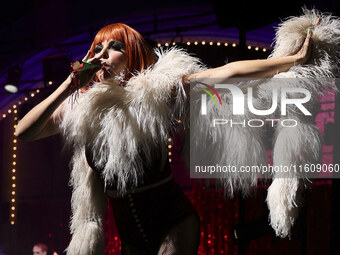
[308, 30]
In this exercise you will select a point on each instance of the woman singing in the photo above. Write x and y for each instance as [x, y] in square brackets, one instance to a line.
[130, 98]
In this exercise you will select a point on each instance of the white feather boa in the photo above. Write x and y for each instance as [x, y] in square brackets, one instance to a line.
[244, 146]
[114, 122]
[302, 144]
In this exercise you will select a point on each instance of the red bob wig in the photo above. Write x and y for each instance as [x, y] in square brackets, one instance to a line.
[140, 55]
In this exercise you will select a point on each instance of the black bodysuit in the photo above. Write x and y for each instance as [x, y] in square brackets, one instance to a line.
[144, 218]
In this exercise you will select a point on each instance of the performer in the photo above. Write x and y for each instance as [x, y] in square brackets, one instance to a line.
[119, 125]
[40, 249]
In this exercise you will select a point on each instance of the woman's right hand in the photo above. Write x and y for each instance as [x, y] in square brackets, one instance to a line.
[87, 73]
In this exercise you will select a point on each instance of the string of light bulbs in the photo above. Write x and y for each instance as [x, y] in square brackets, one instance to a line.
[13, 112]
[211, 43]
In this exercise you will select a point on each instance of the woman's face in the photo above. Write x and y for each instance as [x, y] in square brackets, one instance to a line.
[113, 58]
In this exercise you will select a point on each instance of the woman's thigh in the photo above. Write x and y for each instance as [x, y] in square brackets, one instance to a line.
[184, 238]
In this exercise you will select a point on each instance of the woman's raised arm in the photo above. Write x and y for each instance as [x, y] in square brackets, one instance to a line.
[262, 68]
[38, 123]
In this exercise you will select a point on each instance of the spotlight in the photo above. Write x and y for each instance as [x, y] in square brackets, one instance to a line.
[13, 79]
[11, 88]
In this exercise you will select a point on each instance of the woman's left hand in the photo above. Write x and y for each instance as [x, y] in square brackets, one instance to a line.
[304, 53]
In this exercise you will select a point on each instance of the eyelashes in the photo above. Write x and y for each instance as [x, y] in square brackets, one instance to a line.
[117, 45]
[97, 49]
[113, 45]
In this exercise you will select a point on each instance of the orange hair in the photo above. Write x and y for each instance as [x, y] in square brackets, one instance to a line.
[140, 54]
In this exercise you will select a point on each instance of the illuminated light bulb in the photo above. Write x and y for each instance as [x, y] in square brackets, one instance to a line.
[32, 94]
[249, 47]
[12, 222]
[13, 178]
[159, 45]
[12, 215]
[264, 50]
[179, 121]
[15, 111]
[203, 42]
[234, 45]
[9, 111]
[169, 146]
[50, 82]
[226, 44]
[26, 98]
[13, 193]
[196, 43]
[169, 139]
[256, 48]
[14, 148]
[14, 163]
[15, 126]
[173, 43]
[211, 43]
[4, 115]
[38, 90]
[170, 160]
[218, 44]
[13, 170]
[14, 106]
[14, 155]
[15, 141]
[13, 200]
[188, 43]
[166, 44]
[13, 185]
[170, 153]
[13, 208]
